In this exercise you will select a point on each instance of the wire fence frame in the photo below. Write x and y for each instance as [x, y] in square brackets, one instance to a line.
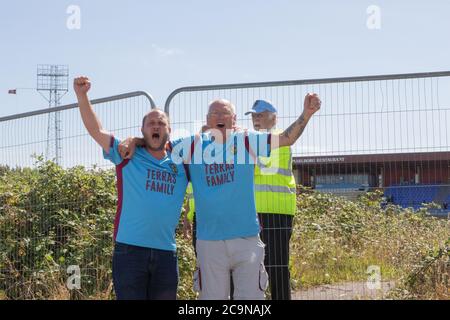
[19, 143]
[36, 227]
[383, 91]
[301, 82]
[191, 98]
[75, 105]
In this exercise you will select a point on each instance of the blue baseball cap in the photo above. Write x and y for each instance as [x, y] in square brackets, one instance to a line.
[261, 106]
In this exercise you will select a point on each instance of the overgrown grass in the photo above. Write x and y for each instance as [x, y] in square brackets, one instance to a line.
[51, 218]
[336, 240]
[430, 279]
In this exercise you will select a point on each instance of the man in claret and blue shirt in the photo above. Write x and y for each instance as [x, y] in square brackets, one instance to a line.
[221, 166]
[151, 190]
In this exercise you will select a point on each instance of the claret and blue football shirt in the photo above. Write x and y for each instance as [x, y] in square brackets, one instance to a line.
[150, 197]
[222, 177]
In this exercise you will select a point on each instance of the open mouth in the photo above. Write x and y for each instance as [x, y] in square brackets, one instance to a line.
[155, 136]
[221, 125]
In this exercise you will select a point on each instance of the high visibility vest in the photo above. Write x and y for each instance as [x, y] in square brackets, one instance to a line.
[275, 188]
[190, 198]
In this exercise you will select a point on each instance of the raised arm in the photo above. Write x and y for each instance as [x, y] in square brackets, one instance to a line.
[310, 106]
[81, 85]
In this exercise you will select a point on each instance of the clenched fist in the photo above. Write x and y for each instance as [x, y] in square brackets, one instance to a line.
[81, 85]
[312, 104]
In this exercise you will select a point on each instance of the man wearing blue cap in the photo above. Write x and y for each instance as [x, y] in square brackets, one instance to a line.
[151, 189]
[275, 195]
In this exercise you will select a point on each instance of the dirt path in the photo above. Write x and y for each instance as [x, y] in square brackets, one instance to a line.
[344, 291]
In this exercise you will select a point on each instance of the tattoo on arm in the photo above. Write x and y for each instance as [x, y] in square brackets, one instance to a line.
[295, 130]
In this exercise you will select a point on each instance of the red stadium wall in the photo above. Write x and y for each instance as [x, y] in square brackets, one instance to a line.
[394, 172]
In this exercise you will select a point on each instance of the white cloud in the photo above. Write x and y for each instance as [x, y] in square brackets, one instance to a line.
[166, 52]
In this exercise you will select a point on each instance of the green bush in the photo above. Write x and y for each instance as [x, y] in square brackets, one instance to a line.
[336, 240]
[52, 218]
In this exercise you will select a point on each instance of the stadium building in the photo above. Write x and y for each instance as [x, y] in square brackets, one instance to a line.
[408, 179]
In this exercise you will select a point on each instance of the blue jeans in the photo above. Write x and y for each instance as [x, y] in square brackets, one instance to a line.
[144, 273]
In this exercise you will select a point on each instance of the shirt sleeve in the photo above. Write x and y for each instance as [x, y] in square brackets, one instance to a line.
[259, 143]
[113, 155]
[181, 149]
[176, 142]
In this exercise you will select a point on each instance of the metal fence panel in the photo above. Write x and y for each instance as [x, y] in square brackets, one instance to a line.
[386, 132]
[56, 222]
[25, 135]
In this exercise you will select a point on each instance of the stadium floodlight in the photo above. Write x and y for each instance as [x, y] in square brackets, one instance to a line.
[53, 84]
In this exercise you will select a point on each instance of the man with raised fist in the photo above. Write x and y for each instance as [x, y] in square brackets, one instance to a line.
[151, 190]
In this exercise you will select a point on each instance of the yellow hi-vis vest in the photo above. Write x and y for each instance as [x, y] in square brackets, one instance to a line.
[275, 188]
[190, 198]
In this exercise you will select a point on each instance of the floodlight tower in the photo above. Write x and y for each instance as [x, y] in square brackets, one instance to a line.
[53, 84]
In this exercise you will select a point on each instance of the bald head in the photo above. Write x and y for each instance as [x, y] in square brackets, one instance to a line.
[221, 104]
[221, 118]
[158, 113]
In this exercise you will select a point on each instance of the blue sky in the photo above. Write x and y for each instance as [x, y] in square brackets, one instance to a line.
[158, 46]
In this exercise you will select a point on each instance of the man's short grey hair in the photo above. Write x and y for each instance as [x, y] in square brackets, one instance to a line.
[166, 115]
[224, 102]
